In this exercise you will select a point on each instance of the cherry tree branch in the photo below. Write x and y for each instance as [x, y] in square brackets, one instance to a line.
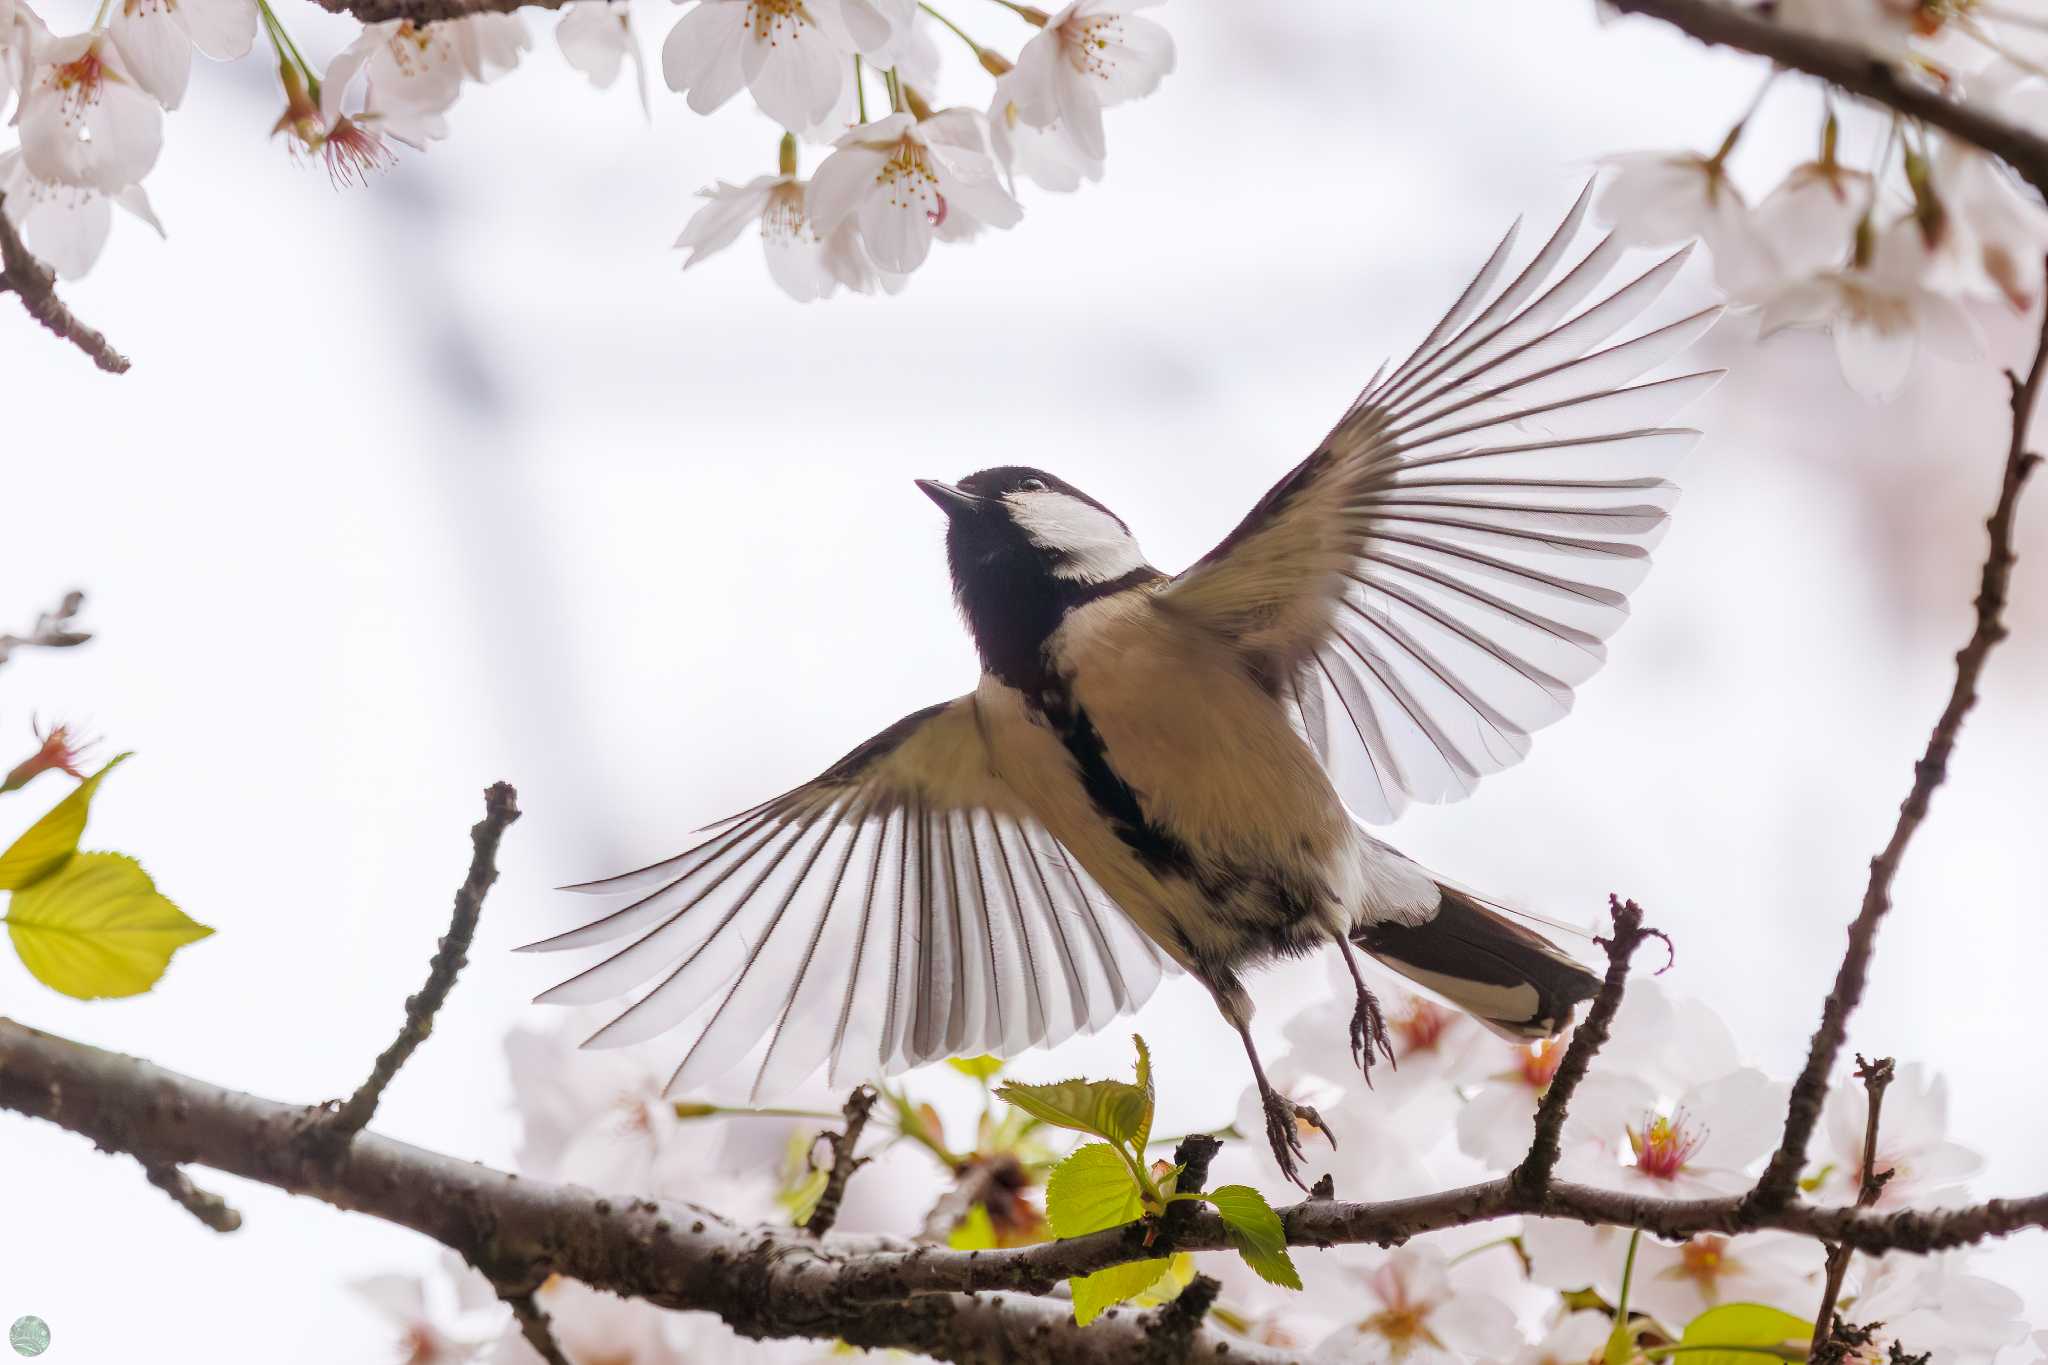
[1877, 1078]
[344, 1121]
[430, 11]
[1780, 1178]
[35, 284]
[1533, 1175]
[1853, 69]
[825, 1213]
[53, 629]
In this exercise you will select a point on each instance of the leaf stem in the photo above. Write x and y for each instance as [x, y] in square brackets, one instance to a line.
[958, 32]
[1621, 1345]
[860, 89]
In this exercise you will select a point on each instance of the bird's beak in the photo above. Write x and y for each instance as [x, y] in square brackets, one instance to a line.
[952, 501]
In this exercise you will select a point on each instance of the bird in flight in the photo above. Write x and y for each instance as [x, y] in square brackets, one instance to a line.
[1160, 771]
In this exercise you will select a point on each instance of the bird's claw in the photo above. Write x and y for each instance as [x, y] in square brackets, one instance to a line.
[1369, 1035]
[1284, 1120]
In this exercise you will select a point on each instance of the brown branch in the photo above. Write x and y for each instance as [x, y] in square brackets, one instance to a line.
[209, 1209]
[765, 1282]
[1533, 1175]
[779, 1282]
[1853, 69]
[859, 1105]
[336, 1126]
[52, 629]
[535, 1327]
[35, 284]
[430, 11]
[1877, 1078]
[1780, 1178]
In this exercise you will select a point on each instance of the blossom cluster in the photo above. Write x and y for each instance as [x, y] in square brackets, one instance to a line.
[1670, 1109]
[894, 178]
[1895, 254]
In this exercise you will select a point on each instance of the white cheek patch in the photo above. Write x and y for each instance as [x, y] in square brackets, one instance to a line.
[1092, 545]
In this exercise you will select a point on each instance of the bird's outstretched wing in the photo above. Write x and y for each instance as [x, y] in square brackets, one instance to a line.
[901, 907]
[1428, 587]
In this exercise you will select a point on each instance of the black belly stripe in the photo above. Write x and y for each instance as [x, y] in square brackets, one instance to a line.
[1158, 848]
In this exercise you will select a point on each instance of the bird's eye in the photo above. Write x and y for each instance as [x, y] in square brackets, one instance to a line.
[1031, 486]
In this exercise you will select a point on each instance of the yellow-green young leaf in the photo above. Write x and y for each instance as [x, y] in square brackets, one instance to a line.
[1180, 1270]
[1143, 1137]
[1255, 1230]
[1116, 1110]
[977, 1231]
[1742, 1324]
[982, 1069]
[1106, 1288]
[45, 845]
[1091, 1190]
[98, 928]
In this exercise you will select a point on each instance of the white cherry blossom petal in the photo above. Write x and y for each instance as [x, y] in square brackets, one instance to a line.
[156, 48]
[224, 30]
[84, 120]
[701, 56]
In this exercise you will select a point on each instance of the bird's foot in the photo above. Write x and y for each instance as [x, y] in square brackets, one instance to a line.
[1285, 1121]
[1369, 1034]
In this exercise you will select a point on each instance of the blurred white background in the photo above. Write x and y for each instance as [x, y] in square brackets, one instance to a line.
[456, 479]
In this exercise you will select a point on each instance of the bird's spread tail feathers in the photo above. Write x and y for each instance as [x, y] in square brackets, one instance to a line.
[1510, 978]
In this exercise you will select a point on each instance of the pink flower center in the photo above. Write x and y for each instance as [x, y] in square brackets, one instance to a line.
[1421, 1026]
[1664, 1145]
[1540, 1062]
[773, 20]
[1703, 1260]
[352, 152]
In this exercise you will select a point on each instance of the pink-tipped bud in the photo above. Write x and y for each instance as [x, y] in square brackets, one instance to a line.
[57, 751]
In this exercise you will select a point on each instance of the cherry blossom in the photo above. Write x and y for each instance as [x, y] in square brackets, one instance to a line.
[791, 55]
[1913, 1146]
[84, 118]
[66, 226]
[1676, 1283]
[1996, 232]
[1808, 222]
[1419, 1317]
[419, 69]
[1880, 312]
[1497, 1120]
[907, 180]
[352, 142]
[156, 38]
[1577, 1338]
[1932, 1305]
[596, 36]
[438, 1320]
[798, 258]
[1090, 54]
[1045, 156]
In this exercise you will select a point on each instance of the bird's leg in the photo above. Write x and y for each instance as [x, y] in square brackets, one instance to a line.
[1368, 1021]
[1284, 1118]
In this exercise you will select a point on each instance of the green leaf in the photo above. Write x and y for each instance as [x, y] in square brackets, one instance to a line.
[1091, 1190]
[45, 845]
[1180, 1271]
[1143, 1138]
[1106, 1288]
[1116, 1110]
[982, 1069]
[1741, 1324]
[1255, 1230]
[98, 928]
[976, 1232]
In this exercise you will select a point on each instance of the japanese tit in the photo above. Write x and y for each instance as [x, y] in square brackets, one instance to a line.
[1153, 770]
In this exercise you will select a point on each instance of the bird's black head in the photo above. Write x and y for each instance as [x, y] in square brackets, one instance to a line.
[1026, 547]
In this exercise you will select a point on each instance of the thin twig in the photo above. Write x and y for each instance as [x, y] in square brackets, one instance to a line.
[844, 1163]
[35, 284]
[336, 1127]
[1876, 1077]
[1856, 70]
[1781, 1177]
[534, 1326]
[1533, 1175]
[52, 630]
[209, 1209]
